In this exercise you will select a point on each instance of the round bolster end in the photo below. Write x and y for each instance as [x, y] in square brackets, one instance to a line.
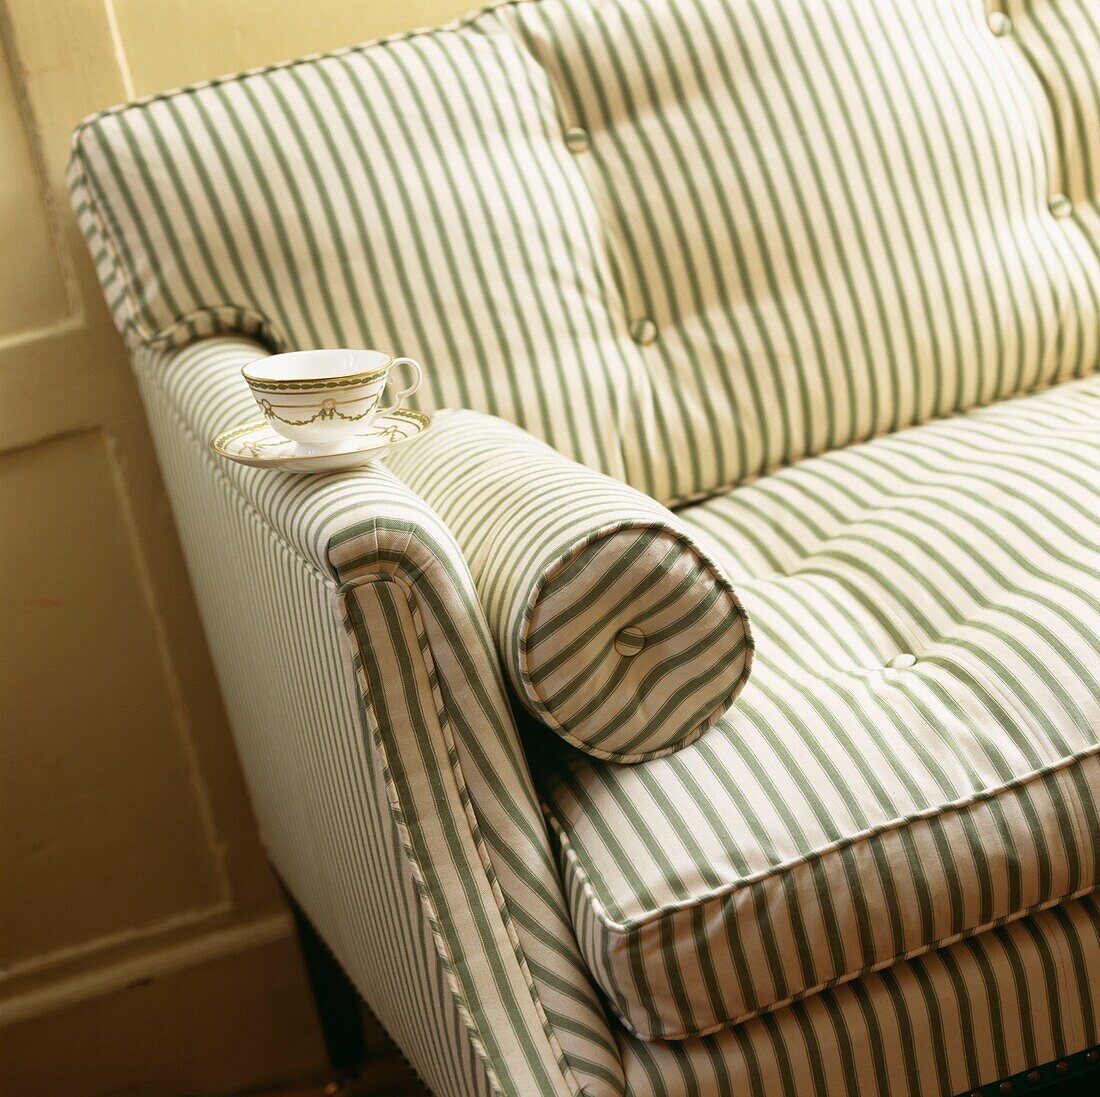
[633, 644]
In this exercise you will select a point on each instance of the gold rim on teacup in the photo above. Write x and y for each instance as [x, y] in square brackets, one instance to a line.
[253, 376]
[320, 385]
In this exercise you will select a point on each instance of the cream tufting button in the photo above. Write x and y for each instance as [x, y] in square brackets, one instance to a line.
[1060, 206]
[576, 139]
[643, 330]
[999, 23]
[903, 661]
[629, 641]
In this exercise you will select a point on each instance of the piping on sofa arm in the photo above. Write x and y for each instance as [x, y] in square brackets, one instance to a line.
[433, 705]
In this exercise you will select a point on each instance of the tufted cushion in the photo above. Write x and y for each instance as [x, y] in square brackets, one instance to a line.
[916, 757]
[615, 628]
[685, 242]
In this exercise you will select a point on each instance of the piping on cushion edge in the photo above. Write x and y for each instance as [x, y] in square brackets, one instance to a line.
[79, 176]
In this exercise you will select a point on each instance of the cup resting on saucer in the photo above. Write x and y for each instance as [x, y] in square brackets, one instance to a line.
[322, 399]
[319, 449]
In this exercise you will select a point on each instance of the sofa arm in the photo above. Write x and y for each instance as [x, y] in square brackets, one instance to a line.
[437, 721]
[615, 628]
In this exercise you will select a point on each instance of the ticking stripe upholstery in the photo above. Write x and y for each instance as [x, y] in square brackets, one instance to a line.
[836, 212]
[257, 547]
[915, 757]
[685, 242]
[943, 1024]
[414, 193]
[614, 627]
[256, 544]
[401, 812]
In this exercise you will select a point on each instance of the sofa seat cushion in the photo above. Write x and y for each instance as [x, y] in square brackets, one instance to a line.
[915, 757]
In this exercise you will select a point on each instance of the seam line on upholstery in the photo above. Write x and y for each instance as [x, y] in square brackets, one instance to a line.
[853, 976]
[466, 799]
[951, 807]
[237, 75]
[83, 176]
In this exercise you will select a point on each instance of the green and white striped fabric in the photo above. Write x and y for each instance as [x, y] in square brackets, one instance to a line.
[949, 1022]
[258, 547]
[393, 797]
[614, 627]
[413, 193]
[915, 758]
[685, 241]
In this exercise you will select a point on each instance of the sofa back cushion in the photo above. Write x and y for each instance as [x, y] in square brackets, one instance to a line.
[684, 242]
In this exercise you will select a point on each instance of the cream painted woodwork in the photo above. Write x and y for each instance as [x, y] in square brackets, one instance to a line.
[138, 919]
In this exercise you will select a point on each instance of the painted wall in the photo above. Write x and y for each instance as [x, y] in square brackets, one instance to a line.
[144, 947]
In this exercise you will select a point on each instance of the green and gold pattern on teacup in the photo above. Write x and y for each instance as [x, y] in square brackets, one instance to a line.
[305, 397]
[329, 411]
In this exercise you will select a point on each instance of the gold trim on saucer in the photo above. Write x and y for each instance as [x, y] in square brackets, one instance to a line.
[383, 440]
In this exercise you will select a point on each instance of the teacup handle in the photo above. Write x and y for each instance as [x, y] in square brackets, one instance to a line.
[418, 376]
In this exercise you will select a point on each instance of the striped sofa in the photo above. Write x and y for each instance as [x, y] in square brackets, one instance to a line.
[794, 305]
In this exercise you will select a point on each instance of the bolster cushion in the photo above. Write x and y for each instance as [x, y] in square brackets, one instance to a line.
[614, 626]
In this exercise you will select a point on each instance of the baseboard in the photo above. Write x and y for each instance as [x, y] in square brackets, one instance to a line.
[206, 1021]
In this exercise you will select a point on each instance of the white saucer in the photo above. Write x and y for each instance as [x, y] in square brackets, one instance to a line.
[258, 445]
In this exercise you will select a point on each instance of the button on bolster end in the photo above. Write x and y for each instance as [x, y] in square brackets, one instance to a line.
[577, 139]
[629, 641]
[1060, 206]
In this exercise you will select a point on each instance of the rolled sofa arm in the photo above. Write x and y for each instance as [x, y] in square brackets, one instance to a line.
[436, 724]
[616, 629]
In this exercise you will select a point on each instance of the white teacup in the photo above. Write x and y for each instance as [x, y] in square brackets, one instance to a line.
[321, 399]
